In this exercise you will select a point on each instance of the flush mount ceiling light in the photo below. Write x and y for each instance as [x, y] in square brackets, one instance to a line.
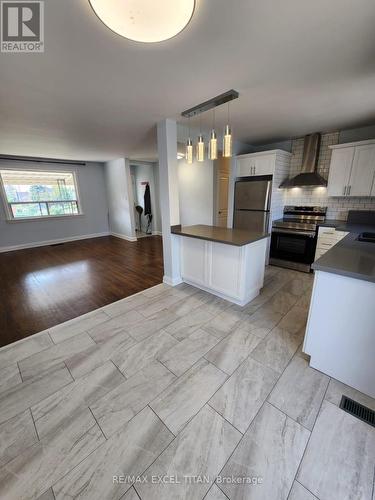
[145, 21]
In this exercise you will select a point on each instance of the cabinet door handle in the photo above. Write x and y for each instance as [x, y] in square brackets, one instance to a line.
[254, 170]
[345, 190]
[350, 188]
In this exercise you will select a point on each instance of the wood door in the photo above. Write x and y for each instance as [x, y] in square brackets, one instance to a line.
[362, 176]
[222, 188]
[339, 171]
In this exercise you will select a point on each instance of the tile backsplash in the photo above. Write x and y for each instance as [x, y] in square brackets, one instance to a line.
[337, 207]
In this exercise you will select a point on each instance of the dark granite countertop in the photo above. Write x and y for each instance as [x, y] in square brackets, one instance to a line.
[331, 223]
[349, 257]
[236, 237]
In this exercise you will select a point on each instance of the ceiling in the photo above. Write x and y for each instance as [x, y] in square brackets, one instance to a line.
[300, 66]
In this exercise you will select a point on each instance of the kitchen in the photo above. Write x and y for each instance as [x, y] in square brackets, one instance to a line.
[339, 177]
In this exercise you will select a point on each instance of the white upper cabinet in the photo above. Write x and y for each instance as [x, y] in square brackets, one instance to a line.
[255, 164]
[363, 170]
[352, 169]
[339, 171]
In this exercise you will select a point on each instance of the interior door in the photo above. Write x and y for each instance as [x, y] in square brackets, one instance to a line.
[362, 175]
[339, 171]
[222, 190]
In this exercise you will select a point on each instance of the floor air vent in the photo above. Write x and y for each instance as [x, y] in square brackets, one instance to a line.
[362, 412]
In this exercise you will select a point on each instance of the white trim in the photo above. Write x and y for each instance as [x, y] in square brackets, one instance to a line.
[253, 293]
[351, 144]
[172, 281]
[52, 242]
[275, 152]
[7, 204]
[157, 233]
[123, 236]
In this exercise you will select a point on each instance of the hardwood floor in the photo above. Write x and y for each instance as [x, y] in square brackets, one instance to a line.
[42, 287]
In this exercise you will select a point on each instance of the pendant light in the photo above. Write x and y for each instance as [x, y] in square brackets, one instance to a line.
[227, 139]
[189, 148]
[212, 146]
[200, 145]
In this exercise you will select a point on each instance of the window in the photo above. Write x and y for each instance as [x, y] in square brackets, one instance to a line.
[33, 194]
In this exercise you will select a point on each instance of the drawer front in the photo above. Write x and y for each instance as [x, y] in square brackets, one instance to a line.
[326, 230]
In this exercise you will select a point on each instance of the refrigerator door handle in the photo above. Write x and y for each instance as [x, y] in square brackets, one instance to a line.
[267, 200]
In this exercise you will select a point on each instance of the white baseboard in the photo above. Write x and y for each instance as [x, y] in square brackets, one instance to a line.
[171, 281]
[124, 237]
[157, 233]
[47, 243]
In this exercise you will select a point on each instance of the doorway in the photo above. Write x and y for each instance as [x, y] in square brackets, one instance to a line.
[222, 177]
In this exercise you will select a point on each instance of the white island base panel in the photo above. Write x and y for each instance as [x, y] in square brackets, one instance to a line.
[340, 333]
[234, 273]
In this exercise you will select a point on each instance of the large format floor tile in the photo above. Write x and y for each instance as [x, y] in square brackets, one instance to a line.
[42, 361]
[22, 396]
[76, 326]
[41, 465]
[9, 377]
[298, 492]
[186, 396]
[152, 324]
[337, 389]
[340, 457]
[87, 360]
[130, 361]
[186, 353]
[57, 410]
[224, 323]
[106, 473]
[230, 352]
[16, 434]
[184, 326]
[240, 404]
[125, 305]
[277, 349]
[240, 398]
[201, 449]
[15, 352]
[120, 405]
[269, 454]
[300, 391]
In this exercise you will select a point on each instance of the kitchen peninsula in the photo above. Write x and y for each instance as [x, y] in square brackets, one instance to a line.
[340, 330]
[226, 262]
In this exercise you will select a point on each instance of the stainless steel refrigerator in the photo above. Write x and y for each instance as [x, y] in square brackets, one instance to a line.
[252, 199]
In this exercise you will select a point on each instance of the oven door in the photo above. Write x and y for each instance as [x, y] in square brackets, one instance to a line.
[293, 246]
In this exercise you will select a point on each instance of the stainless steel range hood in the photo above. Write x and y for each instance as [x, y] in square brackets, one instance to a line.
[309, 176]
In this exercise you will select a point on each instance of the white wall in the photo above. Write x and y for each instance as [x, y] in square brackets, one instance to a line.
[120, 199]
[145, 172]
[196, 192]
[91, 185]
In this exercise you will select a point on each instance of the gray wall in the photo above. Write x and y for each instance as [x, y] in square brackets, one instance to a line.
[120, 198]
[91, 184]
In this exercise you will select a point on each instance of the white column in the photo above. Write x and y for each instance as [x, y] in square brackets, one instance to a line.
[169, 199]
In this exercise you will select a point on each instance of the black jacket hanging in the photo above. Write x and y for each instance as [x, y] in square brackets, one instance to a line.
[147, 201]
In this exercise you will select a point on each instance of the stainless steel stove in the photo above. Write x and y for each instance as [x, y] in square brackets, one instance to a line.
[293, 241]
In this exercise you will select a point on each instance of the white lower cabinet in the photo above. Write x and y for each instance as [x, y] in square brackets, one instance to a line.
[327, 238]
[235, 273]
